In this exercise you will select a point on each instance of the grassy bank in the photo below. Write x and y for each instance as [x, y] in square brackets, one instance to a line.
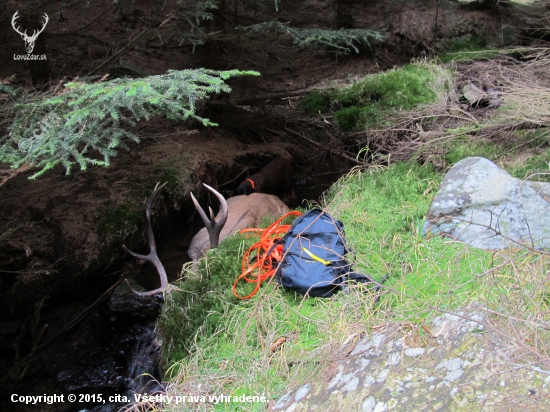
[215, 344]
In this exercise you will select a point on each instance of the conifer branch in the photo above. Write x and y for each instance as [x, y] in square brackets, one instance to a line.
[341, 41]
[62, 129]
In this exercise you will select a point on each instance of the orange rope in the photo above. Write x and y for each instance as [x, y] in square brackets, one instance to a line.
[251, 183]
[263, 266]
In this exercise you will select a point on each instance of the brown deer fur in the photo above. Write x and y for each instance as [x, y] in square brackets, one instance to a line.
[269, 179]
[243, 212]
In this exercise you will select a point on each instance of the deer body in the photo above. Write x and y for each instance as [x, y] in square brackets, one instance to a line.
[269, 179]
[242, 212]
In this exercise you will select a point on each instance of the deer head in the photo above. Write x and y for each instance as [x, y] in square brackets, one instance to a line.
[29, 40]
[214, 227]
[236, 213]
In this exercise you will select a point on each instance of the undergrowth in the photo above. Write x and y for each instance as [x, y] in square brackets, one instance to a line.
[367, 102]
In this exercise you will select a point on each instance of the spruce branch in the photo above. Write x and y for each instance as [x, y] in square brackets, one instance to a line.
[341, 41]
[88, 117]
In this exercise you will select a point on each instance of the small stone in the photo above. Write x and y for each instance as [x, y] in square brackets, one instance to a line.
[414, 352]
[382, 375]
[454, 375]
[302, 392]
[283, 400]
[346, 378]
[364, 363]
[369, 380]
[361, 347]
[380, 407]
[292, 407]
[368, 404]
[352, 385]
[336, 379]
[450, 365]
[394, 358]
[378, 339]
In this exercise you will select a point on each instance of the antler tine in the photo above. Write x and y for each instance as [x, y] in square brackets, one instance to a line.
[212, 226]
[13, 19]
[152, 257]
[36, 32]
[217, 226]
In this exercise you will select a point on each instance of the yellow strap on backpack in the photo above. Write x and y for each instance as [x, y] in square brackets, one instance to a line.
[317, 258]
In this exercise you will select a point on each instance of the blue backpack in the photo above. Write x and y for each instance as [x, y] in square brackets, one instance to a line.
[314, 251]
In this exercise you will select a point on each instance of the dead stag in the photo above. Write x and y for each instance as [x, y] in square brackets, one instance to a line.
[236, 213]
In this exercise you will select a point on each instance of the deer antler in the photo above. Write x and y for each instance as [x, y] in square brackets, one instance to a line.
[152, 256]
[214, 228]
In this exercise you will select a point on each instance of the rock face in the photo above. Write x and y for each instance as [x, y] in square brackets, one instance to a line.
[461, 367]
[482, 205]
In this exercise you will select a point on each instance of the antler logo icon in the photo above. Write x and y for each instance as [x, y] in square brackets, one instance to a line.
[29, 40]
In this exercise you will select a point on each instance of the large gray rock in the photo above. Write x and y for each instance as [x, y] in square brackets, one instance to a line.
[482, 205]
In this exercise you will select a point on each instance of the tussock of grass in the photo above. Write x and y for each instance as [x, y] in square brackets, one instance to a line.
[366, 102]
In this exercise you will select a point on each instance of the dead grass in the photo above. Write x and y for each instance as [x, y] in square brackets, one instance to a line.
[521, 102]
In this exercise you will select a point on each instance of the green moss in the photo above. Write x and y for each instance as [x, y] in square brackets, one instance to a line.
[467, 49]
[119, 220]
[171, 172]
[367, 102]
[464, 147]
[314, 102]
[466, 44]
[536, 167]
